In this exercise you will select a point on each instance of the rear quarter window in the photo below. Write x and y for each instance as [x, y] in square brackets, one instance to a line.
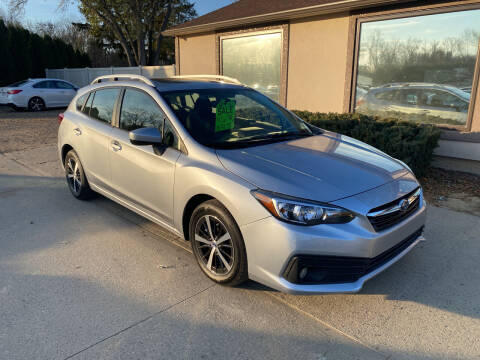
[81, 101]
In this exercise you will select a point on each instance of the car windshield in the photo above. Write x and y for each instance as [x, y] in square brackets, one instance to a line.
[233, 118]
[464, 95]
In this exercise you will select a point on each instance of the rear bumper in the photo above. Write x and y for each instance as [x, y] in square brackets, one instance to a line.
[12, 105]
[6, 101]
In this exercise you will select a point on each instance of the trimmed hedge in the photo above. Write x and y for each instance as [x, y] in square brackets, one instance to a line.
[412, 143]
[24, 54]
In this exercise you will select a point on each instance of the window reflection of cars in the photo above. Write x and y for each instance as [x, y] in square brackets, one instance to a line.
[416, 101]
[360, 95]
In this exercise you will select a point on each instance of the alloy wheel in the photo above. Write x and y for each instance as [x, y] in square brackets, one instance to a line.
[214, 245]
[73, 175]
[36, 104]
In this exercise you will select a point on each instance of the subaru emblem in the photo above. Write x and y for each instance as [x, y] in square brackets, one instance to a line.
[404, 204]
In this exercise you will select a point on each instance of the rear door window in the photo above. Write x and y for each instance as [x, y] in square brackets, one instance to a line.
[103, 104]
[63, 85]
[45, 85]
[409, 97]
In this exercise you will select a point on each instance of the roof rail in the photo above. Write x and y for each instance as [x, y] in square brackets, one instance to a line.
[119, 77]
[218, 77]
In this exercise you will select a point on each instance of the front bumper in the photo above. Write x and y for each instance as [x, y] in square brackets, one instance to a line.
[271, 245]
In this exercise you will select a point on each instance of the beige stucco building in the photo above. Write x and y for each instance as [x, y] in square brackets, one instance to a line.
[416, 60]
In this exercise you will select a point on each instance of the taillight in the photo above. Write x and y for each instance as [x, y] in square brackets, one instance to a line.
[13, 92]
[60, 118]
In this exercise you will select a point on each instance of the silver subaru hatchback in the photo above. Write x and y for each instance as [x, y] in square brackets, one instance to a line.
[257, 192]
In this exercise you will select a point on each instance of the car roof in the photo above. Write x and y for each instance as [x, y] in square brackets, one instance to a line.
[412, 85]
[46, 79]
[172, 84]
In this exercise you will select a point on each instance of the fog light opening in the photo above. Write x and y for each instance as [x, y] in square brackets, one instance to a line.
[303, 273]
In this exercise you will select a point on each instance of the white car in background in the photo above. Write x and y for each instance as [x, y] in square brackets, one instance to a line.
[38, 94]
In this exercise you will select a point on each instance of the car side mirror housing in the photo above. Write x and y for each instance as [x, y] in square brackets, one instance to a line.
[145, 136]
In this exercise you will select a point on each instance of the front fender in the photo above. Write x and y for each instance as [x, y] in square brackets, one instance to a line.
[194, 178]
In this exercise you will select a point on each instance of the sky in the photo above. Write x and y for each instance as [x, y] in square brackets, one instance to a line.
[46, 10]
[430, 27]
[427, 29]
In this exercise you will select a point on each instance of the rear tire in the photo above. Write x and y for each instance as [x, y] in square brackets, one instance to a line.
[36, 104]
[217, 244]
[75, 176]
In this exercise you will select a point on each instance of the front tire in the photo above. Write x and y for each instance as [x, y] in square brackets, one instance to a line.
[75, 176]
[217, 244]
[36, 104]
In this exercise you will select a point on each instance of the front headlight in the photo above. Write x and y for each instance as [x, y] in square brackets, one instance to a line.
[302, 212]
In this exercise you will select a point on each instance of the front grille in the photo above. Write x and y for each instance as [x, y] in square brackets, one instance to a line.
[388, 215]
[341, 269]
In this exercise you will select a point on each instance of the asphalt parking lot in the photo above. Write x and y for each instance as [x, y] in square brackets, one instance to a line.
[92, 280]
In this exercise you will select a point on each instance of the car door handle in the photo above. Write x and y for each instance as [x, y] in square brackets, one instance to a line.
[77, 131]
[116, 146]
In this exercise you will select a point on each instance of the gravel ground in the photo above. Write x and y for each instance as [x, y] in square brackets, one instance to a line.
[27, 130]
[455, 190]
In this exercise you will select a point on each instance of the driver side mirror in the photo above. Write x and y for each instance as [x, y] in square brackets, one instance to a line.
[145, 136]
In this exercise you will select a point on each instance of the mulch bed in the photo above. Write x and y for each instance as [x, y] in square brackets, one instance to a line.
[438, 184]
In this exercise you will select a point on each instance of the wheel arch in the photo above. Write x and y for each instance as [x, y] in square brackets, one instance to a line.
[65, 149]
[190, 206]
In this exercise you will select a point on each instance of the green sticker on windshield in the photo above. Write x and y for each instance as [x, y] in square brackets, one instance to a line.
[225, 116]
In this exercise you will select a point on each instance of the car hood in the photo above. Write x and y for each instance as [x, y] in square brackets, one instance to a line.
[325, 168]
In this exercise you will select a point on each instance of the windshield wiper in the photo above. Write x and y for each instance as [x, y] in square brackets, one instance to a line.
[285, 135]
[254, 140]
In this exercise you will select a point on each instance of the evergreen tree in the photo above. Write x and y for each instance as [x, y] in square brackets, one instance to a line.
[24, 54]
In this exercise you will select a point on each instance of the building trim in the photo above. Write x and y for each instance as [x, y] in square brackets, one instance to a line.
[309, 11]
[351, 46]
[177, 55]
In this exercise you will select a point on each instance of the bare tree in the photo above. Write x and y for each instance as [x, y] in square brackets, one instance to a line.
[136, 25]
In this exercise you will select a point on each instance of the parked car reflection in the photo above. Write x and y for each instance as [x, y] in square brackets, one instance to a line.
[419, 102]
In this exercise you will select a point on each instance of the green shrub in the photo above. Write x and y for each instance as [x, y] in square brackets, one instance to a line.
[412, 143]
[24, 54]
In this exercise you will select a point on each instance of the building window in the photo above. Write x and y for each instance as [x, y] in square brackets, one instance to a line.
[418, 68]
[255, 60]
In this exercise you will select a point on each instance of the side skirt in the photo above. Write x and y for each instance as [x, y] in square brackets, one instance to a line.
[142, 212]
